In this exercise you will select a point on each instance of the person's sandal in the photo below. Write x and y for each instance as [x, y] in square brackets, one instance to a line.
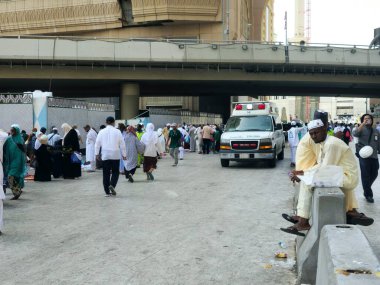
[293, 230]
[130, 178]
[359, 219]
[289, 218]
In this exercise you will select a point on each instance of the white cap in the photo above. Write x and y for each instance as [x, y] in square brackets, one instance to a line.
[293, 123]
[315, 124]
[55, 129]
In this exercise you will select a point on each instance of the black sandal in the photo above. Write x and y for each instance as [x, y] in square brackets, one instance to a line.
[292, 230]
[360, 219]
[289, 218]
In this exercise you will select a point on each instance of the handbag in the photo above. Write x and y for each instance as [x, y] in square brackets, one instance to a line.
[359, 146]
[76, 158]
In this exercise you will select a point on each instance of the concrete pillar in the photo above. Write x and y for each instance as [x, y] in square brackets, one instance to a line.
[346, 257]
[129, 100]
[327, 208]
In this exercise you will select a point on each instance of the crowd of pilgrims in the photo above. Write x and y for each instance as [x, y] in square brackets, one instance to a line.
[60, 155]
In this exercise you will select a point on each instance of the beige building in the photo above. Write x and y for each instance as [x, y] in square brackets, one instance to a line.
[345, 109]
[375, 108]
[188, 20]
[340, 109]
[208, 20]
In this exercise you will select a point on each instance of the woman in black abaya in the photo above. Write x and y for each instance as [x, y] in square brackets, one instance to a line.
[43, 156]
[70, 145]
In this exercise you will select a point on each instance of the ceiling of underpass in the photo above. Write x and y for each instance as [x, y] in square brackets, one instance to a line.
[111, 88]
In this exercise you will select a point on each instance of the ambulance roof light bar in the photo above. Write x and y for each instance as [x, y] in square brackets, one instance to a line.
[261, 106]
[258, 106]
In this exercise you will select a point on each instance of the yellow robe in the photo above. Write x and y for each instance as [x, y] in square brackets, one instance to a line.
[332, 151]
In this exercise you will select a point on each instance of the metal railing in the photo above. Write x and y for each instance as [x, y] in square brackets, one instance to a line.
[16, 98]
[158, 101]
[57, 102]
[158, 111]
[186, 41]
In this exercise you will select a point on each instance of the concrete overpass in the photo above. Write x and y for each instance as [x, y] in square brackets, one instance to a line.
[80, 67]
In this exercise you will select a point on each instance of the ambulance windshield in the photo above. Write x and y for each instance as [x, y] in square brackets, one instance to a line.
[249, 123]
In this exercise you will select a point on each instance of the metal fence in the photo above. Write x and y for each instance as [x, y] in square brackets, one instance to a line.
[162, 116]
[78, 104]
[16, 98]
[16, 108]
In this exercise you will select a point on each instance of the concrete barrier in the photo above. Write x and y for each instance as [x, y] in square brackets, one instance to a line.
[345, 257]
[328, 208]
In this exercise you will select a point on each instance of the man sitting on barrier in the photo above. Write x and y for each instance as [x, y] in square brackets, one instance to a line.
[318, 149]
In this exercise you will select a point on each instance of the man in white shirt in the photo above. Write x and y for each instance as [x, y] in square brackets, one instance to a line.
[53, 137]
[111, 141]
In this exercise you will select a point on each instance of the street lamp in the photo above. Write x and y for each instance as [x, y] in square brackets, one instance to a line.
[286, 28]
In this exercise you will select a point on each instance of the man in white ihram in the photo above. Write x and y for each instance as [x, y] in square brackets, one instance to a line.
[329, 151]
[90, 147]
[294, 136]
[111, 141]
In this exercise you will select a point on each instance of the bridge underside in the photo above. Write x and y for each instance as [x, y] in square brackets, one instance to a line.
[190, 80]
[213, 85]
[111, 88]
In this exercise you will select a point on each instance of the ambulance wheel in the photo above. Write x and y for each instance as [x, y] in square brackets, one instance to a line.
[224, 162]
[272, 162]
[280, 156]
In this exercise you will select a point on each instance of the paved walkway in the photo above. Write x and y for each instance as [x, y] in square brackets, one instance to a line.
[196, 223]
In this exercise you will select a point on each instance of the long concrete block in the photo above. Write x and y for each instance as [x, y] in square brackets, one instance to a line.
[328, 208]
[345, 257]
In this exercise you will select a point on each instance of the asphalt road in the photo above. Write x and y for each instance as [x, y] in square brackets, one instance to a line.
[197, 223]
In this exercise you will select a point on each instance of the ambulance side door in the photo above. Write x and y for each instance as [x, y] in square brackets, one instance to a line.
[278, 135]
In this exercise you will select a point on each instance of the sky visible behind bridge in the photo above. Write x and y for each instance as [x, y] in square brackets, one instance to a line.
[333, 21]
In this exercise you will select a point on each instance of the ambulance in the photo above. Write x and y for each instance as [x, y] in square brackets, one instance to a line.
[253, 132]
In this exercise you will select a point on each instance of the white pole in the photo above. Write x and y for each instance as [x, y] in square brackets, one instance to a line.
[286, 28]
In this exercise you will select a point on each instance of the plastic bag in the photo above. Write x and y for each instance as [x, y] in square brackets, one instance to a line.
[324, 177]
[76, 157]
[328, 176]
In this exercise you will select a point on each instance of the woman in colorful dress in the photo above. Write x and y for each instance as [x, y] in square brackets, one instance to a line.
[14, 158]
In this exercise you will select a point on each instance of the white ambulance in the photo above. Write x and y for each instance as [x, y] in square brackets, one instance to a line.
[253, 132]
